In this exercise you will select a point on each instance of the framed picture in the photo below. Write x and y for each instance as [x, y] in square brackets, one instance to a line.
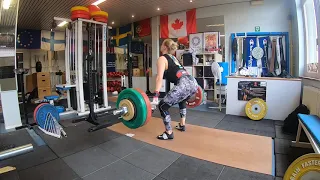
[211, 41]
[196, 42]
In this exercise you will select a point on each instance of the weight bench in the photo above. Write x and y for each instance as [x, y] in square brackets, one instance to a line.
[311, 126]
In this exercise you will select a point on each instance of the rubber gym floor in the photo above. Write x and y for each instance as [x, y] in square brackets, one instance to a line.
[106, 154]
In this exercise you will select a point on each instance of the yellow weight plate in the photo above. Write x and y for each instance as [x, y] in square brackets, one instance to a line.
[304, 168]
[99, 13]
[130, 107]
[77, 8]
[256, 109]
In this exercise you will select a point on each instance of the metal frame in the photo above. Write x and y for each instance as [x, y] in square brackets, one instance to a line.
[74, 57]
[312, 143]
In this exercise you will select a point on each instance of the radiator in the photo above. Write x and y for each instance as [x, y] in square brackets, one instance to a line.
[310, 98]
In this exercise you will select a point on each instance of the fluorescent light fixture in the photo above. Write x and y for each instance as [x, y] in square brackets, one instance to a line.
[6, 4]
[62, 23]
[222, 35]
[214, 25]
[256, 2]
[98, 2]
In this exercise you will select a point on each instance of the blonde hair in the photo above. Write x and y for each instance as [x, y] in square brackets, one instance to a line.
[170, 45]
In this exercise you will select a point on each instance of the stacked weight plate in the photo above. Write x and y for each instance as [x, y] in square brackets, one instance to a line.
[79, 12]
[138, 106]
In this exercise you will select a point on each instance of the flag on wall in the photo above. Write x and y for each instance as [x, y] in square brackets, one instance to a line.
[121, 35]
[28, 39]
[142, 28]
[178, 25]
[52, 41]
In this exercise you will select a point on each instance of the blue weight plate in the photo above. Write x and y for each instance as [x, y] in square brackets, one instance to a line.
[42, 112]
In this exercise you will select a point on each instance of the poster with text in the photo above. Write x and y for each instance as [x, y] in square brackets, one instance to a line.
[248, 90]
[211, 42]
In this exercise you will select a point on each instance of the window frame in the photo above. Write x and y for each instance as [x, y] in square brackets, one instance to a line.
[306, 73]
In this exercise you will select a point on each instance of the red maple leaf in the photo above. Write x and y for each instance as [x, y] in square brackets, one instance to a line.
[177, 24]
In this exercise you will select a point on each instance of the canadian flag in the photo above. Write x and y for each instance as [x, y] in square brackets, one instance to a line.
[178, 24]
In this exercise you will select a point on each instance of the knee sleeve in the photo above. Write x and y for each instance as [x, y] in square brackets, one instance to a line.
[164, 107]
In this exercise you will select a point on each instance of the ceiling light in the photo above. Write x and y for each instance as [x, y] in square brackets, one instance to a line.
[98, 2]
[132, 16]
[213, 25]
[6, 4]
[62, 23]
[190, 0]
[222, 35]
[112, 22]
[158, 9]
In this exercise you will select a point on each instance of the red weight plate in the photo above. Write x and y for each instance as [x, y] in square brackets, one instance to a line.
[93, 8]
[35, 112]
[196, 99]
[74, 17]
[80, 12]
[101, 19]
[147, 101]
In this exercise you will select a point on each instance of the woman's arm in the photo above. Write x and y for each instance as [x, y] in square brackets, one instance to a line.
[161, 66]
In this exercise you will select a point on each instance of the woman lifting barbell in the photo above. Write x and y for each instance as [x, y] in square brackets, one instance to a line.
[184, 87]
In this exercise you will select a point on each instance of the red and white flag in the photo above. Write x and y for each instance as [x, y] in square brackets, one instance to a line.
[178, 24]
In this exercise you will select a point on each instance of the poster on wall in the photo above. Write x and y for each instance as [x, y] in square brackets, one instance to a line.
[196, 42]
[211, 41]
[248, 90]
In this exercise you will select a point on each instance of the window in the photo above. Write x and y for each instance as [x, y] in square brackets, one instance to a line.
[311, 30]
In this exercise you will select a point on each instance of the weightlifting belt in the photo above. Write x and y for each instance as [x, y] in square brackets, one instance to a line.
[181, 73]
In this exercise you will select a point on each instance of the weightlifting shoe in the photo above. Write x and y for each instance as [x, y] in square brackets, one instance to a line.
[165, 136]
[181, 128]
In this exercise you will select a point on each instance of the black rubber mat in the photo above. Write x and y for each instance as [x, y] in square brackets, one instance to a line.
[39, 155]
[191, 168]
[78, 139]
[18, 138]
[53, 170]
[12, 175]
[244, 125]
[229, 173]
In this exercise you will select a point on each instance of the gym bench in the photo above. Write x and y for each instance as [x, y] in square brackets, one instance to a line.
[311, 126]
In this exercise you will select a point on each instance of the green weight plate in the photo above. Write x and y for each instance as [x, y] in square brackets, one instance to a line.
[141, 108]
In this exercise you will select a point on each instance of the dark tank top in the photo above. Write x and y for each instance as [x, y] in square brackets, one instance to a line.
[174, 67]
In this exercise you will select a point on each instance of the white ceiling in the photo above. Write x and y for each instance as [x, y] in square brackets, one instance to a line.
[38, 14]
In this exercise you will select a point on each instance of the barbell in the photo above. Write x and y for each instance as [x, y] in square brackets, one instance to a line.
[133, 106]
[135, 109]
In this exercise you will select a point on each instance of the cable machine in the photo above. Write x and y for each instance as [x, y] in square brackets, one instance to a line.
[86, 67]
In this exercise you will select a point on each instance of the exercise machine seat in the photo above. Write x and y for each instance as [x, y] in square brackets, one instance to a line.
[53, 97]
[312, 123]
[63, 88]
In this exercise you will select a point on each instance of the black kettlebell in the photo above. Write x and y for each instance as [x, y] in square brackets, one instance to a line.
[38, 66]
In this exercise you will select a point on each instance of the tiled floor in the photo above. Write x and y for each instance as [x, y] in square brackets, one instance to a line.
[108, 155]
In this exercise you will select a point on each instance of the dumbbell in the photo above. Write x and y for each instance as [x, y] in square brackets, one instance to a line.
[135, 109]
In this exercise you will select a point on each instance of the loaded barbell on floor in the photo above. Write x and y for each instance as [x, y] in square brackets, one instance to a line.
[135, 109]
[133, 106]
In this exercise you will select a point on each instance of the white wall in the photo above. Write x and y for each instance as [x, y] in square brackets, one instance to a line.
[272, 16]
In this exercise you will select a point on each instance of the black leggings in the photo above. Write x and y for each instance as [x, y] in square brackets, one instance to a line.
[179, 94]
